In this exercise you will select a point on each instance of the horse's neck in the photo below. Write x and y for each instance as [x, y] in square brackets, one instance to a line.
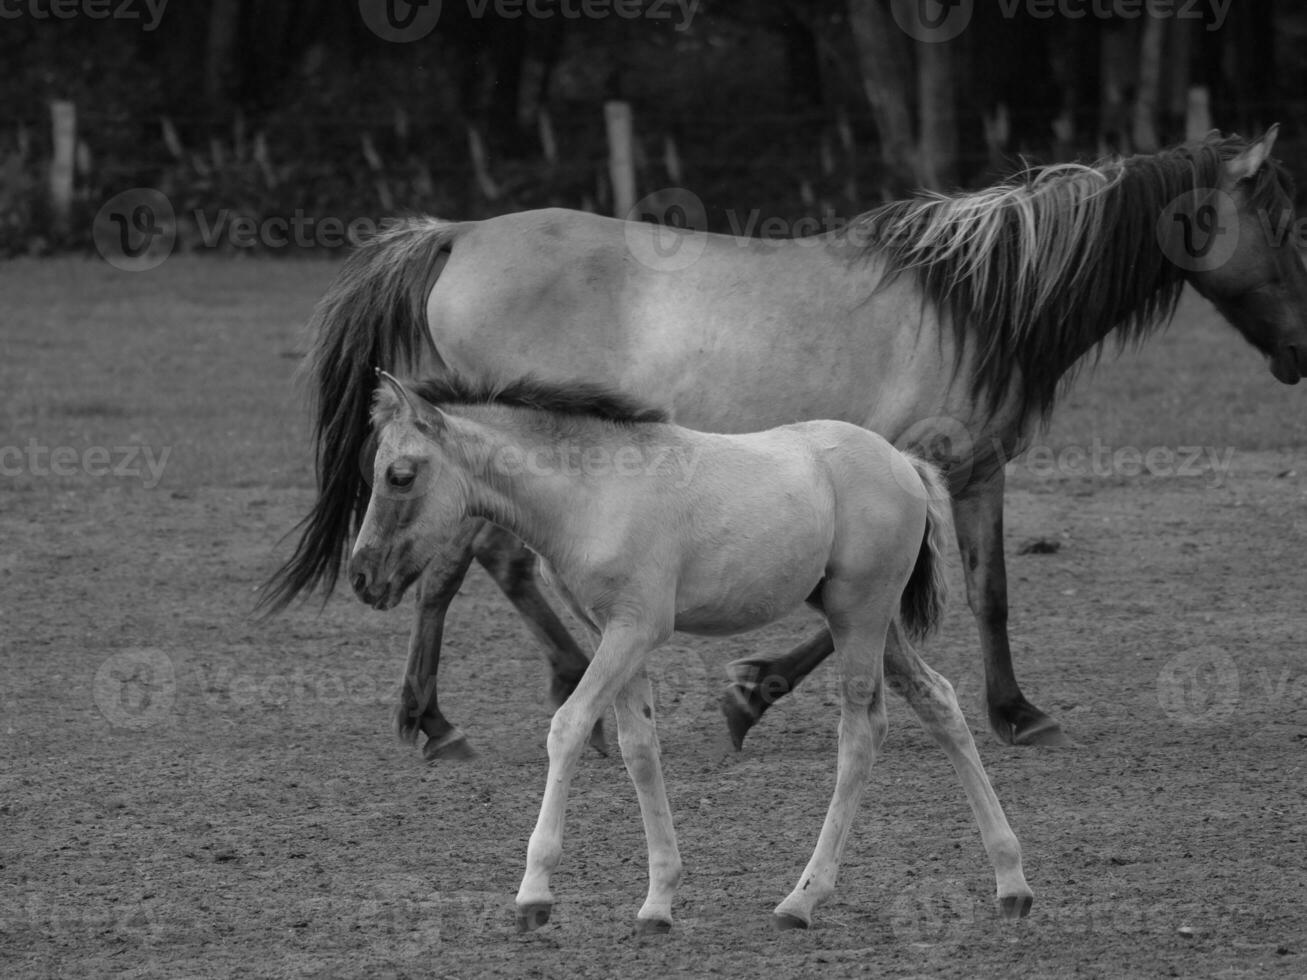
[518, 478]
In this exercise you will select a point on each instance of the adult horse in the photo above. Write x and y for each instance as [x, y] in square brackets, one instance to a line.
[944, 322]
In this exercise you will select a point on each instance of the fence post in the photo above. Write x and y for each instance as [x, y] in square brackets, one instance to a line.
[621, 158]
[63, 163]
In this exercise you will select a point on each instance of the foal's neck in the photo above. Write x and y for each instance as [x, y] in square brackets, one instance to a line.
[526, 471]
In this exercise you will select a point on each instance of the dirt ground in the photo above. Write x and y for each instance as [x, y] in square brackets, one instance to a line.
[185, 792]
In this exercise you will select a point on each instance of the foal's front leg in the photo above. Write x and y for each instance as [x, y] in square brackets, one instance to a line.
[862, 733]
[620, 655]
[637, 736]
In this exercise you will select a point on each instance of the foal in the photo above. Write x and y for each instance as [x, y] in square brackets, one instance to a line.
[646, 528]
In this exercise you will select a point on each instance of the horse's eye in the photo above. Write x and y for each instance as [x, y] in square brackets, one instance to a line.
[400, 481]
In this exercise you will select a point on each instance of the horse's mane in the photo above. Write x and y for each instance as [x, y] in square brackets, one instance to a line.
[573, 399]
[1038, 270]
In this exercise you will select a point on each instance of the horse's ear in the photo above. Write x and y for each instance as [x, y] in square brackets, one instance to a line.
[1251, 160]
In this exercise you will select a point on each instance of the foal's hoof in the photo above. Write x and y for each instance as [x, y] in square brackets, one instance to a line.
[449, 747]
[1015, 906]
[783, 922]
[652, 927]
[533, 916]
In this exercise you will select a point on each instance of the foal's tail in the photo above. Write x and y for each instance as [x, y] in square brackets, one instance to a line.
[922, 605]
[373, 316]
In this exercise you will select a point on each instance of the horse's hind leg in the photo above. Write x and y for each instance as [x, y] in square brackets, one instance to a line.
[418, 709]
[860, 638]
[512, 565]
[931, 697]
[759, 681]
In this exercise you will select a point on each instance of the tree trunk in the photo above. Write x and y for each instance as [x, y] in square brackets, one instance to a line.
[1150, 85]
[220, 48]
[887, 80]
[938, 151]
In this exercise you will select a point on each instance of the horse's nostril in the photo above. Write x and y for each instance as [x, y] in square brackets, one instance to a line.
[360, 583]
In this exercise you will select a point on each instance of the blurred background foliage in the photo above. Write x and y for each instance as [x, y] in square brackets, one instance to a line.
[775, 108]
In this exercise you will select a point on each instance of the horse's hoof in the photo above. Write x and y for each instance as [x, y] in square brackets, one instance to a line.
[740, 714]
[533, 916]
[1049, 734]
[652, 927]
[1024, 724]
[1015, 906]
[784, 922]
[451, 747]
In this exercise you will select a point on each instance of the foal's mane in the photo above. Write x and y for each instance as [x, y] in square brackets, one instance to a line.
[575, 399]
[1038, 269]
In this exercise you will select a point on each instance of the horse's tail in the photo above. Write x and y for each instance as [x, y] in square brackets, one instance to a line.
[922, 605]
[373, 316]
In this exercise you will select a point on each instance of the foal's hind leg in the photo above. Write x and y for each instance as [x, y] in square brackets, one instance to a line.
[931, 697]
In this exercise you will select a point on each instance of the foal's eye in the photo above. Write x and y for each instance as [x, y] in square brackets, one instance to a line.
[400, 481]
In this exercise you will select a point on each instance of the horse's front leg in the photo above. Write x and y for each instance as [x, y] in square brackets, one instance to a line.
[418, 709]
[620, 656]
[978, 516]
[512, 565]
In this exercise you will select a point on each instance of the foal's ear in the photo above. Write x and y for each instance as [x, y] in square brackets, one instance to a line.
[408, 403]
[1251, 160]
